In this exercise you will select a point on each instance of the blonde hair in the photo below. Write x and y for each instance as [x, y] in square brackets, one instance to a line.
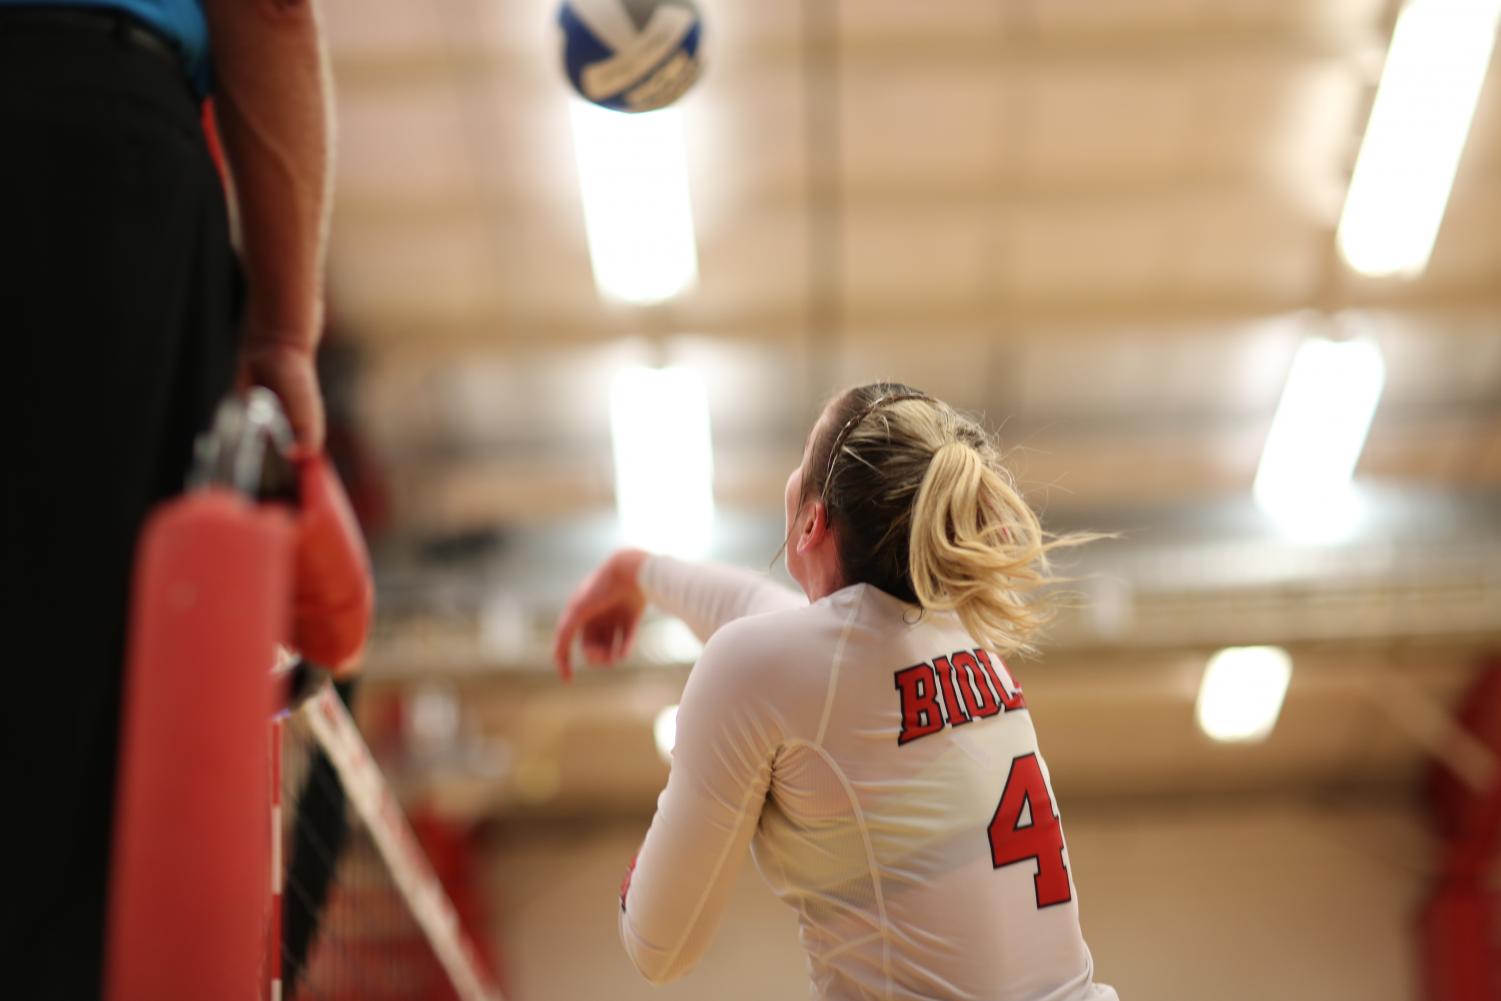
[925, 510]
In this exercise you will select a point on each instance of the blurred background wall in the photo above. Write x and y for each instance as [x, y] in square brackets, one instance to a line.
[1301, 901]
[1112, 230]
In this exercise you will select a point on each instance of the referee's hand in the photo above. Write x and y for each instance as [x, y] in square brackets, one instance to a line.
[605, 611]
[287, 370]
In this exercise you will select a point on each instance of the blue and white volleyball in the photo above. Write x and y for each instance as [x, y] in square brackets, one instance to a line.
[631, 55]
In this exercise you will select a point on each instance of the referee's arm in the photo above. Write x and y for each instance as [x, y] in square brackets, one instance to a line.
[274, 104]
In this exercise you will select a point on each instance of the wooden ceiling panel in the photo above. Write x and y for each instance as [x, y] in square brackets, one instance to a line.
[1106, 381]
[1482, 156]
[452, 264]
[1425, 450]
[1244, 245]
[389, 28]
[1439, 363]
[927, 125]
[411, 142]
[957, 367]
[746, 151]
[1204, 16]
[1468, 248]
[1078, 16]
[907, 252]
[894, 17]
[1092, 121]
[1094, 252]
[762, 260]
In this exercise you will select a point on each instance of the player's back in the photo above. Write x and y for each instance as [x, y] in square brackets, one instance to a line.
[910, 818]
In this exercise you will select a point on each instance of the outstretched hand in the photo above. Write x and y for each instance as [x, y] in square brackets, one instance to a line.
[605, 611]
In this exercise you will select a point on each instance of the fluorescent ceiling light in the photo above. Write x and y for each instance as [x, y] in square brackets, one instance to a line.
[664, 731]
[1242, 692]
[664, 465]
[1431, 81]
[633, 176]
[1304, 480]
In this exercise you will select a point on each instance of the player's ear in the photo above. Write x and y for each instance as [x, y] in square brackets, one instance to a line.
[813, 526]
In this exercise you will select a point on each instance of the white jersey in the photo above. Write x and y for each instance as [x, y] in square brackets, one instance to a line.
[885, 771]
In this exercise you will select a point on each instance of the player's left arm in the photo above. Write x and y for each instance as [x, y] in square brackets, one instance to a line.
[728, 732]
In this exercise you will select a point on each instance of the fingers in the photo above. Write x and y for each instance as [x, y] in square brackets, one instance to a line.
[300, 397]
[562, 645]
[605, 640]
[308, 423]
[628, 636]
[289, 372]
[602, 640]
[603, 613]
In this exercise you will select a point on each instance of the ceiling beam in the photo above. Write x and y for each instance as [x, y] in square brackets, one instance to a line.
[1145, 49]
[398, 326]
[369, 211]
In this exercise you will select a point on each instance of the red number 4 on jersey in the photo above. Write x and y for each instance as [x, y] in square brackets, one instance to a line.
[1039, 840]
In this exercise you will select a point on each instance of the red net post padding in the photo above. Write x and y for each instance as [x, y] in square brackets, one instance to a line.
[212, 575]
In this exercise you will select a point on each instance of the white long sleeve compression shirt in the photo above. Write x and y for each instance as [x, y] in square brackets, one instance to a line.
[884, 769]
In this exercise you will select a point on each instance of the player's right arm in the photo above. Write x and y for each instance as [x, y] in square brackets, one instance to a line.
[606, 608]
[729, 729]
[274, 106]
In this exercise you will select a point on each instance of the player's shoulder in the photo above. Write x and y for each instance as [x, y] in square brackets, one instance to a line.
[790, 641]
[775, 631]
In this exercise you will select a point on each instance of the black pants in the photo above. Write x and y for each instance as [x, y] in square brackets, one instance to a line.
[118, 299]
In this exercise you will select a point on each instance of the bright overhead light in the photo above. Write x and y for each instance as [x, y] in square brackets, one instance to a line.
[633, 176]
[664, 731]
[1242, 692]
[664, 464]
[1317, 434]
[1434, 70]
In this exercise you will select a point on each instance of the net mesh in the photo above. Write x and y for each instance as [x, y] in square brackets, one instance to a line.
[345, 926]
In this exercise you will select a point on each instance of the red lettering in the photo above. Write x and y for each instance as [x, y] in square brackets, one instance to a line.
[1005, 685]
[920, 713]
[1039, 840]
[951, 702]
[981, 700]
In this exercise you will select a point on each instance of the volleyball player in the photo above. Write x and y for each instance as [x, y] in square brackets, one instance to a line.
[867, 740]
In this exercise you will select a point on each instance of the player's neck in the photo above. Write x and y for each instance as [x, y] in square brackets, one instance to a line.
[823, 576]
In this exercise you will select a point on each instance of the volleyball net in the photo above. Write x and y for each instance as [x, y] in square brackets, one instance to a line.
[358, 911]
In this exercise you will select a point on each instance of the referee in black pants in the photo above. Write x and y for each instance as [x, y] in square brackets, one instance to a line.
[125, 316]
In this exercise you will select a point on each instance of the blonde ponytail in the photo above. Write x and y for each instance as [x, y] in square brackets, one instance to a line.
[978, 550]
